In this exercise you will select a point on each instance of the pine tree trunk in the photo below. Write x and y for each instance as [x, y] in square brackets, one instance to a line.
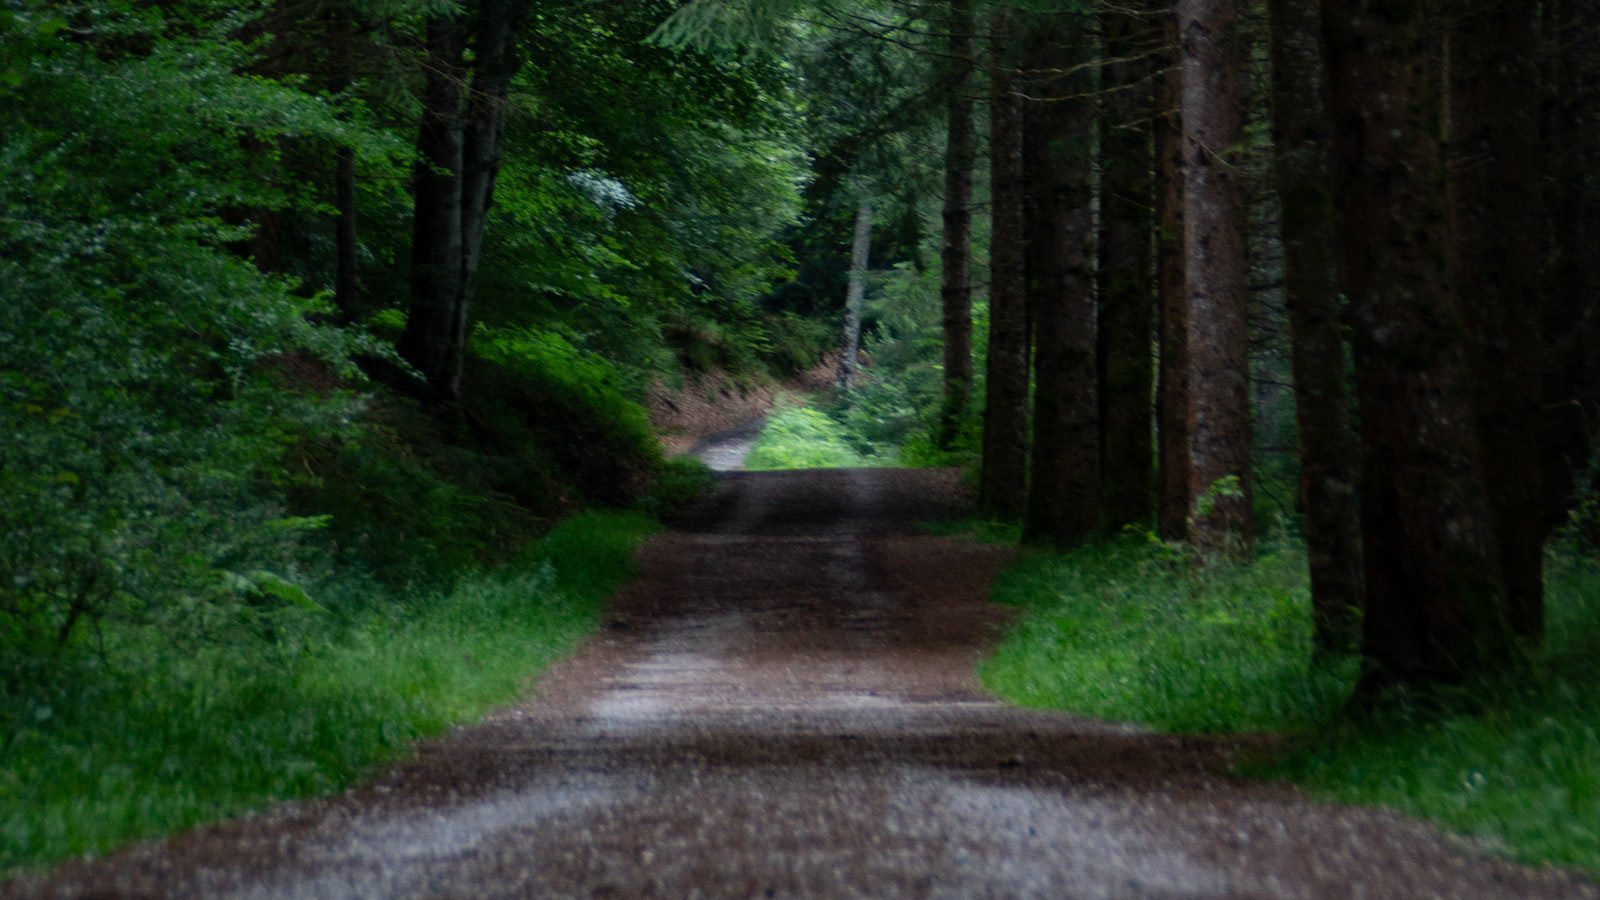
[1494, 134]
[436, 238]
[855, 295]
[1434, 607]
[956, 249]
[347, 270]
[1213, 61]
[346, 276]
[1126, 276]
[1571, 344]
[460, 150]
[1002, 481]
[1173, 500]
[495, 63]
[1058, 160]
[1329, 453]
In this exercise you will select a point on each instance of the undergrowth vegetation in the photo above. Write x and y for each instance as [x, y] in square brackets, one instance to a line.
[1513, 761]
[322, 695]
[803, 437]
[1130, 630]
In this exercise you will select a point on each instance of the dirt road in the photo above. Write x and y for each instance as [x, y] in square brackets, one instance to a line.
[783, 705]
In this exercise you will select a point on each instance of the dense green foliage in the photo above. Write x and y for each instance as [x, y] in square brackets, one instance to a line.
[139, 412]
[187, 421]
[234, 529]
[1127, 631]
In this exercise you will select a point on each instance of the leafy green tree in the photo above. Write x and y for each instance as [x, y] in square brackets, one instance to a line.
[142, 406]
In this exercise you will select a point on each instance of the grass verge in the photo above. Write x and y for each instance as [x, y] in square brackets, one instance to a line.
[1126, 630]
[186, 738]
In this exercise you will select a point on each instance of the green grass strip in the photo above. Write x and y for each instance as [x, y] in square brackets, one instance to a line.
[1128, 631]
[188, 739]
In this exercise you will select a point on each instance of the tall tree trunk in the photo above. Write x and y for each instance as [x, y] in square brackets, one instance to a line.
[1433, 606]
[1127, 295]
[1572, 151]
[855, 295]
[495, 64]
[1173, 500]
[347, 247]
[1003, 477]
[436, 239]
[460, 149]
[1213, 61]
[1064, 493]
[346, 274]
[1330, 468]
[1494, 135]
[956, 249]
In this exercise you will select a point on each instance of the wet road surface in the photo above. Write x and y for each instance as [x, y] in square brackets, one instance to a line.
[783, 705]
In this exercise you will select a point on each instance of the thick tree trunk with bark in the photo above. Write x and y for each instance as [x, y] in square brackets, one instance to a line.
[1003, 476]
[1173, 500]
[956, 248]
[347, 247]
[1212, 56]
[1571, 377]
[346, 275]
[459, 146]
[1330, 467]
[1064, 493]
[855, 295]
[1126, 274]
[1434, 608]
[1494, 142]
[436, 240]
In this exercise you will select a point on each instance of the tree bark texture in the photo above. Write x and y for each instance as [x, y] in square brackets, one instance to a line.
[956, 246]
[1571, 138]
[1003, 475]
[855, 295]
[1433, 606]
[1330, 467]
[1173, 500]
[347, 247]
[459, 150]
[347, 271]
[1494, 182]
[1126, 274]
[1058, 160]
[1212, 56]
[436, 241]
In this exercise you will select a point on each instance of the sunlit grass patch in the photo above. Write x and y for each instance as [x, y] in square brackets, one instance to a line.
[186, 738]
[801, 437]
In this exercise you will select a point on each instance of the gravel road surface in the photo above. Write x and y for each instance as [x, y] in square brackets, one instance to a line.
[783, 705]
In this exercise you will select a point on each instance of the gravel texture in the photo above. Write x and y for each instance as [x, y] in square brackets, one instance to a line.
[783, 705]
